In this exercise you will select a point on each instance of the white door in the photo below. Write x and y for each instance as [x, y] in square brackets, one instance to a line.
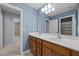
[1, 29]
[53, 26]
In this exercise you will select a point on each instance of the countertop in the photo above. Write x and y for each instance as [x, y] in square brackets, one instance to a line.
[71, 43]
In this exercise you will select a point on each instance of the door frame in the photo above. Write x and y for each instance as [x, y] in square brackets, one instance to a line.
[21, 22]
[14, 29]
[46, 24]
[1, 26]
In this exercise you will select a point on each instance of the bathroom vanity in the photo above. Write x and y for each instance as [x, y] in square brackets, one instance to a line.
[62, 43]
[50, 45]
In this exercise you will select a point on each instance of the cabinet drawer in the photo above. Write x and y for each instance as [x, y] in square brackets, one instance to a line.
[47, 44]
[56, 54]
[57, 48]
[75, 53]
[46, 51]
[39, 50]
[39, 46]
[38, 41]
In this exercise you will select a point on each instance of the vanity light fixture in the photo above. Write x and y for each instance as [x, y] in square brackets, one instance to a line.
[49, 5]
[47, 8]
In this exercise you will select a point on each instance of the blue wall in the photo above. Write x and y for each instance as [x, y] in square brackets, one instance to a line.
[33, 20]
[66, 14]
[41, 21]
[29, 22]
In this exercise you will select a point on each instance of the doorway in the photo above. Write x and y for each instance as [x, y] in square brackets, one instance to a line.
[12, 41]
[17, 35]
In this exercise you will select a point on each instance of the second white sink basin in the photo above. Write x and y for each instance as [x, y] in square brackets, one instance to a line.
[49, 35]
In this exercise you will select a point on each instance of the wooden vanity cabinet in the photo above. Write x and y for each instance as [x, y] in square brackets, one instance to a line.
[56, 48]
[51, 49]
[46, 51]
[56, 54]
[40, 47]
[49, 52]
[33, 45]
[74, 53]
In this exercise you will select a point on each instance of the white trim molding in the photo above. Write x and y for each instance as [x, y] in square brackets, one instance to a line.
[1, 29]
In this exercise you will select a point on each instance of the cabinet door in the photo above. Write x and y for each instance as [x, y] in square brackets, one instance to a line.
[38, 47]
[38, 51]
[33, 46]
[56, 54]
[30, 44]
[46, 51]
[75, 53]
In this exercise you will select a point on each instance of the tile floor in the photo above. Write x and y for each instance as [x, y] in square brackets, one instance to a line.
[28, 53]
[13, 50]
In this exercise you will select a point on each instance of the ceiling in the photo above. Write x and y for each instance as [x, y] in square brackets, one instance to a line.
[35, 5]
[59, 7]
[62, 7]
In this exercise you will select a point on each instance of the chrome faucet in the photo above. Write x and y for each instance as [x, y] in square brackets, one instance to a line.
[39, 32]
[59, 36]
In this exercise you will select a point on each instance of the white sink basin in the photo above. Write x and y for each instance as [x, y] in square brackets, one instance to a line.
[49, 35]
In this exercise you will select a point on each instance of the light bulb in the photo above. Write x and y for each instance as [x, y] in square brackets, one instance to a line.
[42, 10]
[46, 12]
[45, 8]
[49, 10]
[49, 5]
[53, 9]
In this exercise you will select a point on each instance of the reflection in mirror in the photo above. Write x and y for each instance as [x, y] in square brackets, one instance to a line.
[52, 26]
[66, 26]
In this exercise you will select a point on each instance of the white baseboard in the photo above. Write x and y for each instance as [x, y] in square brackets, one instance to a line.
[26, 51]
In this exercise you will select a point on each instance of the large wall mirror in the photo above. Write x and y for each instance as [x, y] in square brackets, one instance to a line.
[65, 26]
